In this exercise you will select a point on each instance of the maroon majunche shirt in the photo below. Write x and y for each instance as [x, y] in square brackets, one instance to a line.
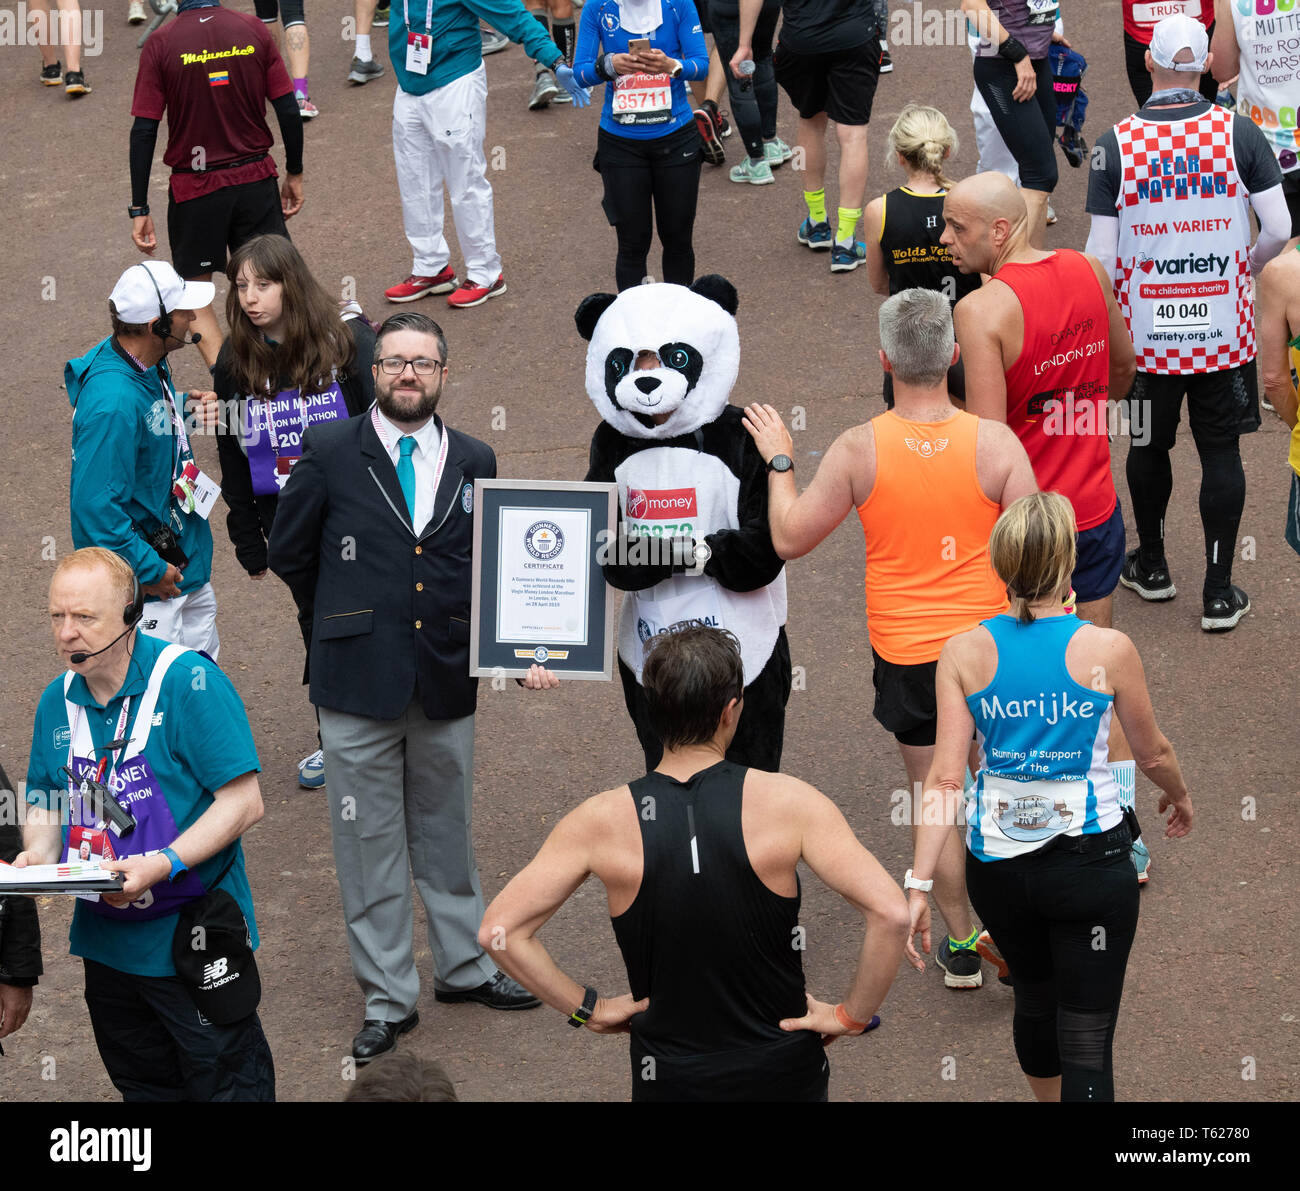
[211, 72]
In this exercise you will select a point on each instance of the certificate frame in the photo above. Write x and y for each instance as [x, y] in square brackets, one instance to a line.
[498, 645]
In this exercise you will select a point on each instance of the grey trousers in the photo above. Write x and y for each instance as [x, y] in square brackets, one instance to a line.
[401, 789]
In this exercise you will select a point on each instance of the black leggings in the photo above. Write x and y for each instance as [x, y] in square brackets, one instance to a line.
[1139, 78]
[753, 108]
[1064, 923]
[1031, 141]
[664, 171]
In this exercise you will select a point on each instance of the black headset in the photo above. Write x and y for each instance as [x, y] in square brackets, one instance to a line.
[163, 329]
[133, 612]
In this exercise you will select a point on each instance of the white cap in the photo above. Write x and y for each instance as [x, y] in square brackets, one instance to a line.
[138, 291]
[1175, 34]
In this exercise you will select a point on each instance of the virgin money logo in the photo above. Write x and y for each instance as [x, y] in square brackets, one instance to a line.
[661, 504]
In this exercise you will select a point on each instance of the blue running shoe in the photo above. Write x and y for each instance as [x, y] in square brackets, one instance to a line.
[817, 236]
[311, 771]
[846, 258]
[1141, 861]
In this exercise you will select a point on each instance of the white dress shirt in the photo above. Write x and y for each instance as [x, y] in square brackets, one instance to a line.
[428, 440]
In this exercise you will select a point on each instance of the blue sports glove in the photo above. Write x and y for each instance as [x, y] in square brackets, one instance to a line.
[564, 76]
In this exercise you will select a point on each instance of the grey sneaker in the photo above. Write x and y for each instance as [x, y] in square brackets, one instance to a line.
[491, 41]
[961, 965]
[545, 89]
[364, 70]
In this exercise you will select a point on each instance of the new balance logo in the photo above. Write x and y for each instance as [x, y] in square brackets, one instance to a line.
[214, 971]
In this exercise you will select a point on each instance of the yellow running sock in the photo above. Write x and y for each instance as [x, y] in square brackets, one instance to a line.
[849, 217]
[816, 200]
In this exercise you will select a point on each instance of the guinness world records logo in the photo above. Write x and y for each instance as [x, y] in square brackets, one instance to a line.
[544, 540]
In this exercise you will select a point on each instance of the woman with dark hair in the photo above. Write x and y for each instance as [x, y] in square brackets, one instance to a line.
[293, 358]
[1047, 837]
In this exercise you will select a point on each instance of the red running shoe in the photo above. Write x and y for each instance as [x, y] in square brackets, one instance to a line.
[417, 287]
[715, 152]
[473, 294]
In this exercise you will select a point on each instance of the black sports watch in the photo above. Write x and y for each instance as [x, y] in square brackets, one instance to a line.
[780, 463]
[136, 212]
[582, 1015]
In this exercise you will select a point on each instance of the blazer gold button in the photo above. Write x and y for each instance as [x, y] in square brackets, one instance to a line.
[419, 549]
[419, 624]
[419, 587]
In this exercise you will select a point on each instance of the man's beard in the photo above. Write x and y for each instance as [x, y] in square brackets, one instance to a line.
[421, 412]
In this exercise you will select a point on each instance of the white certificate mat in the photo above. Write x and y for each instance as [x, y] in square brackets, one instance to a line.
[543, 568]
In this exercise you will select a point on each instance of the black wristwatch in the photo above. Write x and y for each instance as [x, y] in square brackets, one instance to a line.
[780, 463]
[136, 212]
[582, 1015]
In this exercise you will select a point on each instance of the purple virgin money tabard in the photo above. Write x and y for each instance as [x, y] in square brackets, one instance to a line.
[273, 432]
[136, 788]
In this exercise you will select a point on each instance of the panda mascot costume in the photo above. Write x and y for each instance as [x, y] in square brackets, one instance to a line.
[661, 363]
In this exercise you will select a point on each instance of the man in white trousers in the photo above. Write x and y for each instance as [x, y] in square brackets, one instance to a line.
[439, 117]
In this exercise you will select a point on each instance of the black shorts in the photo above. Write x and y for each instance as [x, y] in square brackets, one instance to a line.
[1221, 406]
[1291, 191]
[202, 230]
[289, 12]
[841, 83]
[905, 702]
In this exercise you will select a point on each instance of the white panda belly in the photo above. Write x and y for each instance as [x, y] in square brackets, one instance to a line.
[678, 492]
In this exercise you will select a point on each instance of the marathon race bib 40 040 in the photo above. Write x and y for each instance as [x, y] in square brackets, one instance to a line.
[273, 432]
[642, 99]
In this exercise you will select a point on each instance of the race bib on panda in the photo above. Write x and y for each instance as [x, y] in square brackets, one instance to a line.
[1043, 12]
[642, 99]
[698, 609]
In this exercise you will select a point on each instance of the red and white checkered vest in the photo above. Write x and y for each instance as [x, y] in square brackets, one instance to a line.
[1183, 274]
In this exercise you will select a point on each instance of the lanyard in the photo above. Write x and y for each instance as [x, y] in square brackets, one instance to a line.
[270, 422]
[442, 448]
[428, 15]
[120, 734]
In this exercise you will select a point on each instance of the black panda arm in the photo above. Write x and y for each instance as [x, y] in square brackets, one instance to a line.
[600, 470]
[744, 559]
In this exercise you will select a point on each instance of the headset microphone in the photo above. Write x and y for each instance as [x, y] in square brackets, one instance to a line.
[77, 658]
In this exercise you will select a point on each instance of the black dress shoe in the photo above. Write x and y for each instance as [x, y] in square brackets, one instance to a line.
[379, 1037]
[498, 993]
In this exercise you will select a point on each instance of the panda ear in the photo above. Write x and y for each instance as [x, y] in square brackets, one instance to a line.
[717, 289]
[589, 311]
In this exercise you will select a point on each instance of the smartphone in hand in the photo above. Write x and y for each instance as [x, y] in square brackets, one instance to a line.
[638, 45]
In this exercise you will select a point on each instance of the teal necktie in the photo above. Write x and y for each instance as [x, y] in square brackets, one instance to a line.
[406, 474]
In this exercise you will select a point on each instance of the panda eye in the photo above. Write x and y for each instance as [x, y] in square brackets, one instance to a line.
[617, 367]
[677, 358]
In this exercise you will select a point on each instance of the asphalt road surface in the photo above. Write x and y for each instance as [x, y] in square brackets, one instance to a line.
[1210, 1006]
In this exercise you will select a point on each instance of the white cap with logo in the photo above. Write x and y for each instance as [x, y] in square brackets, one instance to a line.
[144, 287]
[1175, 34]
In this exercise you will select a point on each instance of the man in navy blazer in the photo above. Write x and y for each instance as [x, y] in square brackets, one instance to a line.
[389, 666]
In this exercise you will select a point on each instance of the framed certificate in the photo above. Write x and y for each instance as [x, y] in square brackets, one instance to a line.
[539, 595]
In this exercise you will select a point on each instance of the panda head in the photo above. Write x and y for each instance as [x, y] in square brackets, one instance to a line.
[662, 358]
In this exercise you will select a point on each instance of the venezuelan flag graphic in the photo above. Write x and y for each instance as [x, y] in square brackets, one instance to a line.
[219, 78]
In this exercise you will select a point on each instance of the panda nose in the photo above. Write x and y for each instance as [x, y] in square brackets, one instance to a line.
[647, 384]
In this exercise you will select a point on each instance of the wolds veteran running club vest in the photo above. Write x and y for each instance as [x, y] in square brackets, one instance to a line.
[1183, 279]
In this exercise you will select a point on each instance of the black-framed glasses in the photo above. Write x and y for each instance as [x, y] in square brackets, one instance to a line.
[396, 365]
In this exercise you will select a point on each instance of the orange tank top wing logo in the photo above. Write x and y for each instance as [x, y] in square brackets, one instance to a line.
[235, 51]
[924, 447]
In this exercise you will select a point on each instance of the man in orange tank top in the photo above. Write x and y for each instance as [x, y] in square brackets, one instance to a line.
[1046, 348]
[928, 481]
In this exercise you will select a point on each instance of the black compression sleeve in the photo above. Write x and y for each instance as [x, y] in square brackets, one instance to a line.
[286, 111]
[144, 139]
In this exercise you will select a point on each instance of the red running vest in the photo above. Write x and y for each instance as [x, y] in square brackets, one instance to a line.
[1057, 388]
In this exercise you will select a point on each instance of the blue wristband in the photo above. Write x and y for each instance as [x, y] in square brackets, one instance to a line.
[178, 868]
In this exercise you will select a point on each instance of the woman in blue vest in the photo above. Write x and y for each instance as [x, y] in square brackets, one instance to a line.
[1047, 865]
[289, 362]
[648, 148]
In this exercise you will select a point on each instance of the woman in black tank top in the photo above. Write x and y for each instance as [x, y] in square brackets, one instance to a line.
[905, 252]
